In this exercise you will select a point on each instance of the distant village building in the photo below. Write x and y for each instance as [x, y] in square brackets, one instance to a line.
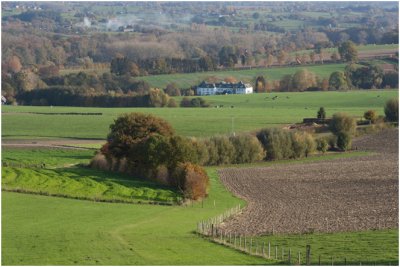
[223, 88]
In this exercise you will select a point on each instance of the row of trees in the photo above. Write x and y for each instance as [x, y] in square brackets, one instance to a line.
[122, 65]
[72, 96]
[363, 76]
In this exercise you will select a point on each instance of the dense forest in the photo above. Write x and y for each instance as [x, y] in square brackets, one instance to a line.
[40, 40]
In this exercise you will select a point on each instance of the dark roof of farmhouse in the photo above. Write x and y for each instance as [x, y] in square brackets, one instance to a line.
[222, 85]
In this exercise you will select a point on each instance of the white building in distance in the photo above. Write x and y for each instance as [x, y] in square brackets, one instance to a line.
[223, 88]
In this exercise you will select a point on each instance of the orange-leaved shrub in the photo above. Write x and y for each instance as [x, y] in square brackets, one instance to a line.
[192, 180]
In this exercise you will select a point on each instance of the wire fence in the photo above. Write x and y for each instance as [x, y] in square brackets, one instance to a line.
[212, 230]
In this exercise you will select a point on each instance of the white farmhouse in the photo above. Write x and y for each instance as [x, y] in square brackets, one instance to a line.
[223, 88]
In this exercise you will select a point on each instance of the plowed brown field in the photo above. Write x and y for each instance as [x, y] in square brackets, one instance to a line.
[336, 195]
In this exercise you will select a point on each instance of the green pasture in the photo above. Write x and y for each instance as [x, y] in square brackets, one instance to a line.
[186, 80]
[240, 113]
[371, 248]
[61, 177]
[40, 230]
[53, 158]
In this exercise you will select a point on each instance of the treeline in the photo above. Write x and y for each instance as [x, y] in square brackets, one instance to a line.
[72, 96]
[355, 76]
[122, 65]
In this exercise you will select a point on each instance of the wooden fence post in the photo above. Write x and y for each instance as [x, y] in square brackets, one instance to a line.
[269, 249]
[263, 249]
[319, 260]
[283, 253]
[299, 259]
[308, 252]
[256, 248]
[251, 245]
[276, 252]
[289, 255]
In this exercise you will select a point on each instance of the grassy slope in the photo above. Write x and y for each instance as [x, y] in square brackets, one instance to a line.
[191, 79]
[251, 112]
[40, 230]
[75, 182]
[85, 183]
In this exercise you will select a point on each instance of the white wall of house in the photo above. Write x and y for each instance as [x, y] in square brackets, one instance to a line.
[201, 91]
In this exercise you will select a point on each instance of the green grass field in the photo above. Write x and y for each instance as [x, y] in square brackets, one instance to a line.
[42, 230]
[51, 157]
[250, 112]
[61, 178]
[371, 247]
[39, 230]
[187, 80]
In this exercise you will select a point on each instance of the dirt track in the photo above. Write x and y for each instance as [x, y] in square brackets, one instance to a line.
[58, 143]
[336, 195]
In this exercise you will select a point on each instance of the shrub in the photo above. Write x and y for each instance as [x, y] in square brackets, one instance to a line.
[277, 143]
[180, 150]
[192, 180]
[100, 162]
[302, 144]
[344, 141]
[370, 115]
[172, 103]
[162, 175]
[321, 113]
[225, 151]
[194, 102]
[247, 149]
[392, 110]
[332, 140]
[172, 90]
[212, 152]
[322, 144]
[202, 156]
[342, 122]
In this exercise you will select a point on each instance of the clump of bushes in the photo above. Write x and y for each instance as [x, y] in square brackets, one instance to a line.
[343, 127]
[392, 110]
[196, 102]
[281, 144]
[146, 146]
[322, 144]
[192, 180]
[224, 150]
[371, 116]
